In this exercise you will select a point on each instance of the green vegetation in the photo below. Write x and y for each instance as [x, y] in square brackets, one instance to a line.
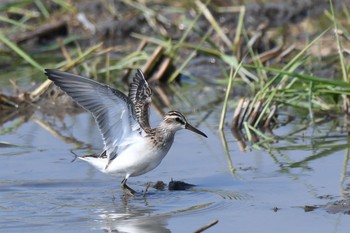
[279, 71]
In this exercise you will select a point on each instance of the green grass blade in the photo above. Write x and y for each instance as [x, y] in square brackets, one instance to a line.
[20, 52]
[228, 89]
[14, 22]
[308, 78]
[7, 5]
[205, 11]
[339, 44]
[224, 108]
[42, 8]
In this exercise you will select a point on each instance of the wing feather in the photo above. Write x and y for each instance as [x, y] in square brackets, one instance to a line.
[140, 95]
[112, 110]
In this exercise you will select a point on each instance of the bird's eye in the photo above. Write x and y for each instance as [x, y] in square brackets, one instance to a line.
[178, 120]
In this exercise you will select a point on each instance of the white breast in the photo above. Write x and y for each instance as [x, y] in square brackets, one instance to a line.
[139, 157]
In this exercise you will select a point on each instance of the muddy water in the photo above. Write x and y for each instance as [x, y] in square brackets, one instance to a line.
[254, 191]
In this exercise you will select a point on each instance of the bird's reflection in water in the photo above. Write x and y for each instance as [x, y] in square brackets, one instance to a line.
[131, 215]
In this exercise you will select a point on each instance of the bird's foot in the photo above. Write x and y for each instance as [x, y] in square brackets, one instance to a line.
[128, 191]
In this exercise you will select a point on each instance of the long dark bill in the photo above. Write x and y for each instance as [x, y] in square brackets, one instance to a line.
[193, 129]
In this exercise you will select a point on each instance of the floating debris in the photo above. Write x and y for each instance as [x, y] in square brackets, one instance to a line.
[179, 185]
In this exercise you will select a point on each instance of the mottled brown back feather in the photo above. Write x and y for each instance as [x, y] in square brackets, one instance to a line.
[140, 95]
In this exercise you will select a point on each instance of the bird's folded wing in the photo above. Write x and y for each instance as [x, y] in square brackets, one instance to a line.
[111, 109]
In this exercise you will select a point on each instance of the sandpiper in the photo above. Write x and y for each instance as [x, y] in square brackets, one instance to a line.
[131, 146]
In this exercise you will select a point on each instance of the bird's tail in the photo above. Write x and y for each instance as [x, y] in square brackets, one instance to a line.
[97, 161]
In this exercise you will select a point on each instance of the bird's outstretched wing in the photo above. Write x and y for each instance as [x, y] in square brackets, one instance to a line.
[111, 109]
[140, 95]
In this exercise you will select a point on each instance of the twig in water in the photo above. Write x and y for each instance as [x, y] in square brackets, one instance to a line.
[163, 67]
[146, 189]
[203, 228]
[237, 113]
[151, 62]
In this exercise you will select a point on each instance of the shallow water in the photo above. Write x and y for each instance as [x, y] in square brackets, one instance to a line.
[253, 191]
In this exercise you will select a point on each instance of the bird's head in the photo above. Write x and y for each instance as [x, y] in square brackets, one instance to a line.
[175, 121]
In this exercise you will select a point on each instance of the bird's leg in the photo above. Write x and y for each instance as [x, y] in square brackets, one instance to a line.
[126, 188]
